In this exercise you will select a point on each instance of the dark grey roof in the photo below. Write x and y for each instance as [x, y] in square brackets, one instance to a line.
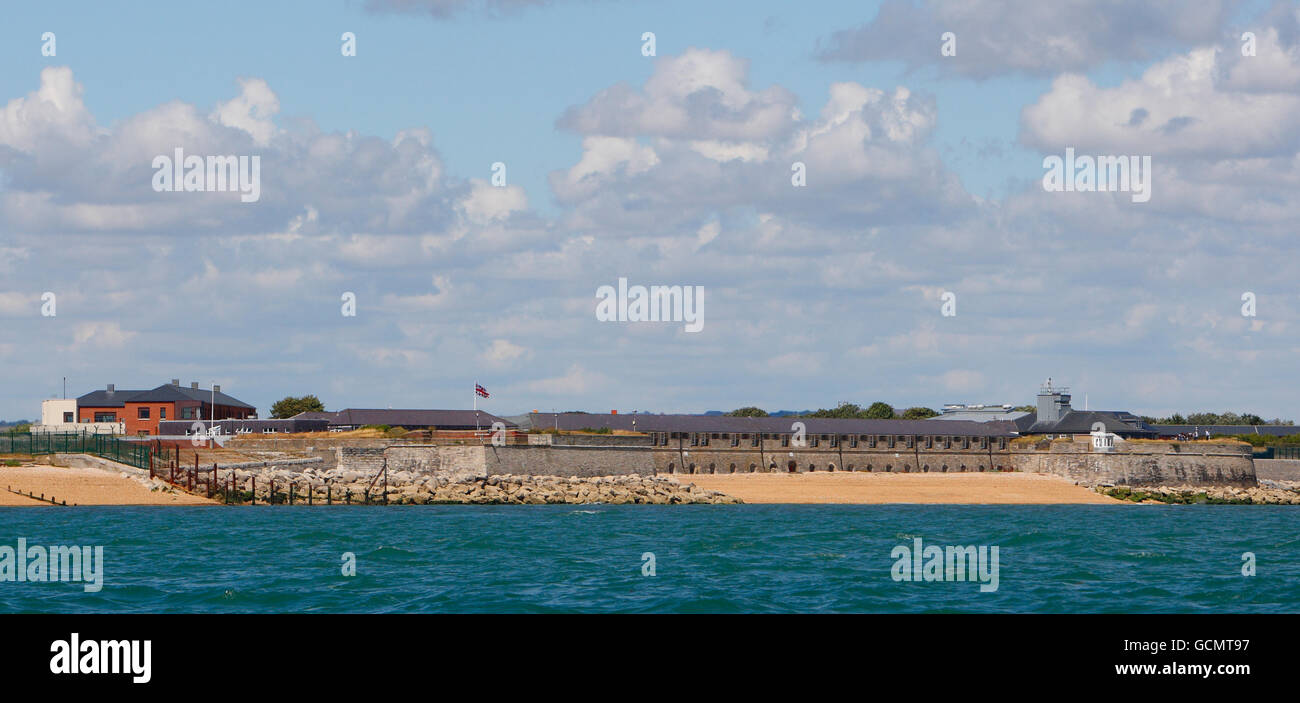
[445, 419]
[103, 399]
[1026, 421]
[982, 415]
[1273, 430]
[766, 425]
[180, 427]
[1081, 422]
[168, 393]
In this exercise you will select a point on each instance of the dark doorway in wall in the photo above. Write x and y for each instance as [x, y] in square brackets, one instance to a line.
[791, 467]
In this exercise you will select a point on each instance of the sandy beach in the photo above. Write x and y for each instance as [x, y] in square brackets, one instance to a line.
[88, 486]
[861, 487]
[83, 487]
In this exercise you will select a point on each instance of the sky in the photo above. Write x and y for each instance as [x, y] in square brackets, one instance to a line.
[470, 179]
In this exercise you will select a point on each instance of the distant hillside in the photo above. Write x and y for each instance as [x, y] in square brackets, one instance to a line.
[778, 413]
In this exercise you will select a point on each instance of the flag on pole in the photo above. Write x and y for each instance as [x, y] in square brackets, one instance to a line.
[480, 390]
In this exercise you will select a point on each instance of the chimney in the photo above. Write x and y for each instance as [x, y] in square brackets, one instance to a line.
[110, 389]
[216, 388]
[194, 385]
[176, 382]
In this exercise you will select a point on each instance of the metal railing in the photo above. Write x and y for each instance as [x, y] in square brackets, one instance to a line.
[104, 446]
[1286, 452]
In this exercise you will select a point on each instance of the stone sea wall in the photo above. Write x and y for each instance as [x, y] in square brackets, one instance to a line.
[1142, 468]
[1134, 464]
[316, 485]
[1278, 469]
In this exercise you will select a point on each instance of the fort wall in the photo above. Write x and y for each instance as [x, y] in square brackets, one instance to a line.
[1134, 464]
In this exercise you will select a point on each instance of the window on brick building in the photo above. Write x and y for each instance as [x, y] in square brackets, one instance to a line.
[142, 414]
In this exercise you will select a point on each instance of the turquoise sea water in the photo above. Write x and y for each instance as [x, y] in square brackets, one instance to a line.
[749, 558]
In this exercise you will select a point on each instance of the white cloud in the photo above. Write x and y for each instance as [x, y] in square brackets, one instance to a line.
[995, 37]
[1176, 108]
[54, 112]
[503, 352]
[486, 202]
[15, 303]
[576, 381]
[699, 94]
[961, 381]
[64, 173]
[98, 335]
[251, 111]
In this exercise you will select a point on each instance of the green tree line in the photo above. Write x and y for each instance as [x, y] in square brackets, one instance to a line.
[1228, 418]
[289, 406]
[845, 410]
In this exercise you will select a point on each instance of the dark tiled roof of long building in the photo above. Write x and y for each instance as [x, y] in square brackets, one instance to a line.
[766, 425]
[168, 393]
[1082, 421]
[447, 419]
[103, 398]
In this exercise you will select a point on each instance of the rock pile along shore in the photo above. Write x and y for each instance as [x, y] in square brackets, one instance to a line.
[417, 489]
[1264, 495]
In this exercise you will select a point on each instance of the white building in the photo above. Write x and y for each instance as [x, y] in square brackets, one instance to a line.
[1103, 441]
[60, 415]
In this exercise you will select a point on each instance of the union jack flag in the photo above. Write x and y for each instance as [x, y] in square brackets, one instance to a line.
[482, 392]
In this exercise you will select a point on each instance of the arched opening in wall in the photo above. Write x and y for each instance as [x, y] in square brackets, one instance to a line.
[868, 467]
[712, 469]
[999, 467]
[926, 468]
[753, 468]
[692, 469]
[812, 468]
[790, 467]
[830, 467]
[672, 467]
[733, 469]
[772, 467]
[963, 467]
[907, 468]
[981, 468]
[944, 468]
[849, 467]
[889, 467]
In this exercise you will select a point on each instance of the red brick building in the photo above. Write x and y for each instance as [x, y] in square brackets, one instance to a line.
[143, 410]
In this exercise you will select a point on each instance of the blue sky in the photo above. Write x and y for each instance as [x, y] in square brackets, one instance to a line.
[924, 177]
[489, 85]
